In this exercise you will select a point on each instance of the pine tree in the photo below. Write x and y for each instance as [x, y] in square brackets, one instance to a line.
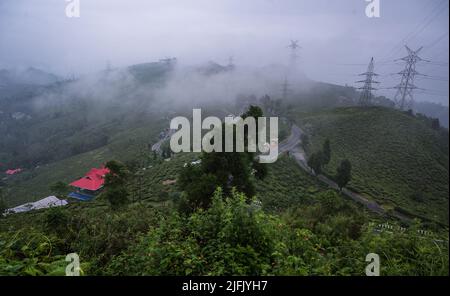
[343, 173]
[115, 184]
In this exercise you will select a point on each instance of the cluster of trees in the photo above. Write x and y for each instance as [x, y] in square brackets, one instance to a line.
[267, 104]
[321, 158]
[317, 160]
[116, 191]
[221, 169]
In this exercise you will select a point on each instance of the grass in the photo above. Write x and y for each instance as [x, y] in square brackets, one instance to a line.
[34, 184]
[286, 185]
[396, 158]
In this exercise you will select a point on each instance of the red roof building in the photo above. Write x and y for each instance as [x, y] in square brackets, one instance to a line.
[93, 181]
[13, 172]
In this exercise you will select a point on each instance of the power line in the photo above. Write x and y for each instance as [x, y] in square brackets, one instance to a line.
[439, 39]
[435, 11]
[400, 43]
[433, 78]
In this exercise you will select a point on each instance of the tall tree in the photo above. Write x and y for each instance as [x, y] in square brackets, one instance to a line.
[315, 162]
[222, 169]
[343, 173]
[115, 184]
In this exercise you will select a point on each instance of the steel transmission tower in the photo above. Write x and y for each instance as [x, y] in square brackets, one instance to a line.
[285, 89]
[404, 97]
[366, 94]
[294, 55]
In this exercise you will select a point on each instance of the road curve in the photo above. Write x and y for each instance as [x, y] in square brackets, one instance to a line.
[292, 146]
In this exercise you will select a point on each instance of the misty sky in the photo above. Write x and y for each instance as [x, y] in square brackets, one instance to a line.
[337, 37]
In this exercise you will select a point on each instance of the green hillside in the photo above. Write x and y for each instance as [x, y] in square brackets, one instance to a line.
[301, 229]
[397, 158]
[126, 146]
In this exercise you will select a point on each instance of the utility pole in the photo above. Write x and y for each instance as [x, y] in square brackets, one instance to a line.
[366, 94]
[406, 86]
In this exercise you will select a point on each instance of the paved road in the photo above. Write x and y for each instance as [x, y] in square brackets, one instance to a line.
[292, 146]
[292, 141]
[157, 146]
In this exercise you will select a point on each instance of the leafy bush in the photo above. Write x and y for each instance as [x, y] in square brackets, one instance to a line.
[231, 237]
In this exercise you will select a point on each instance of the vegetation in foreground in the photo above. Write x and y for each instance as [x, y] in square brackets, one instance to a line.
[289, 225]
[232, 236]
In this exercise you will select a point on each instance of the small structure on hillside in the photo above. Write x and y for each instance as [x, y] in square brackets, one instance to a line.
[90, 185]
[13, 171]
[169, 182]
[48, 202]
[199, 161]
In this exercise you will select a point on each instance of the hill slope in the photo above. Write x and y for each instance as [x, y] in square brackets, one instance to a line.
[397, 158]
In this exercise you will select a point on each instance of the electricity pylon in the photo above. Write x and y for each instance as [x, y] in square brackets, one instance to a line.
[294, 47]
[285, 89]
[366, 94]
[406, 86]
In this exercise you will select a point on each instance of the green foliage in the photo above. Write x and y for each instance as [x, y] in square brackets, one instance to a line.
[327, 235]
[2, 207]
[320, 158]
[343, 173]
[60, 189]
[308, 231]
[326, 152]
[286, 185]
[315, 162]
[29, 252]
[393, 156]
[116, 191]
[231, 237]
[221, 169]
[2, 203]
[197, 186]
[128, 143]
[94, 233]
[56, 220]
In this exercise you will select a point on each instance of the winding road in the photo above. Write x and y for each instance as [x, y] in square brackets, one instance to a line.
[292, 146]
[167, 134]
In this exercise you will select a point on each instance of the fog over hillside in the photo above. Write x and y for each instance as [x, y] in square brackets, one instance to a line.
[118, 156]
[256, 33]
